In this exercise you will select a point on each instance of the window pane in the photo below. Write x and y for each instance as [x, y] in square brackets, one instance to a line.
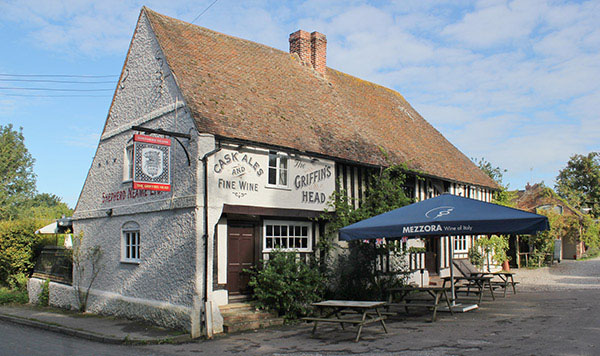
[269, 242]
[283, 177]
[277, 230]
[304, 243]
[269, 230]
[304, 231]
[297, 231]
[284, 230]
[127, 244]
[272, 176]
[272, 160]
[284, 242]
[283, 163]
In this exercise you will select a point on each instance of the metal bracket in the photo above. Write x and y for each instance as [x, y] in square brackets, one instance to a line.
[175, 136]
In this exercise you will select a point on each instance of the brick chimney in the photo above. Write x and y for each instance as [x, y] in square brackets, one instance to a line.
[311, 48]
[318, 43]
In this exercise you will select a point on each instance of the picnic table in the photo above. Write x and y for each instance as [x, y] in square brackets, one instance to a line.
[479, 282]
[414, 296]
[506, 280]
[359, 313]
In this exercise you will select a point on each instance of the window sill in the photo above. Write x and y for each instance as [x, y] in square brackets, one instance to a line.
[131, 262]
[287, 250]
[278, 187]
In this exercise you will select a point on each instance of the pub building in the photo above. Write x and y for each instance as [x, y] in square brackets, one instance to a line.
[217, 150]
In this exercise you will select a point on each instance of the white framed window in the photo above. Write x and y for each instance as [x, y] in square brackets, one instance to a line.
[278, 169]
[287, 236]
[460, 244]
[130, 243]
[128, 163]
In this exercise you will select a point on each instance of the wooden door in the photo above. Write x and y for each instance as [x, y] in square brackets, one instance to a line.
[240, 256]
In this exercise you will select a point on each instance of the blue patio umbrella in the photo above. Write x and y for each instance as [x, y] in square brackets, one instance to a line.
[446, 215]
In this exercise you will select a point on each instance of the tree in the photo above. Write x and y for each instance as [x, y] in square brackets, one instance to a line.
[504, 196]
[16, 169]
[44, 206]
[579, 182]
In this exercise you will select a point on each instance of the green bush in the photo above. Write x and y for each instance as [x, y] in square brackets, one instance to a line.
[476, 257]
[286, 285]
[13, 296]
[18, 244]
[44, 296]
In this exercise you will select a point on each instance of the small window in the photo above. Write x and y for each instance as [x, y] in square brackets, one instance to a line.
[128, 164]
[130, 245]
[278, 169]
[287, 235]
[460, 244]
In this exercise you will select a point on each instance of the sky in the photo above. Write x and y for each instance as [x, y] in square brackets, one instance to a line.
[514, 82]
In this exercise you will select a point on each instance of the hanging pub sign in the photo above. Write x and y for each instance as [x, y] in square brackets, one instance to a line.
[151, 169]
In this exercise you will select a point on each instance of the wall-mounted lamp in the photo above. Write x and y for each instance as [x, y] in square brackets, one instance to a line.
[109, 212]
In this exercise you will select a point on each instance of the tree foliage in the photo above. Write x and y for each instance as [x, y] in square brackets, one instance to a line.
[503, 196]
[355, 274]
[579, 182]
[44, 206]
[19, 245]
[16, 169]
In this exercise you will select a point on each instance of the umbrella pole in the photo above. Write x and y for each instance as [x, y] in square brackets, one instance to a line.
[452, 270]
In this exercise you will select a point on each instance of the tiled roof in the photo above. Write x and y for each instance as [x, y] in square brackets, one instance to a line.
[240, 89]
[537, 195]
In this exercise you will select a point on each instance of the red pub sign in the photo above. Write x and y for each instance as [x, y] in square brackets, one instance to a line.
[152, 163]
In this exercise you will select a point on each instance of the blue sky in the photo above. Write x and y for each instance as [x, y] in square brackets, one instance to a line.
[516, 82]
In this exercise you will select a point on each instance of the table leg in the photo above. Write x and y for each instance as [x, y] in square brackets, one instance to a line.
[480, 287]
[382, 321]
[448, 302]
[505, 285]
[337, 315]
[491, 289]
[435, 305]
[360, 326]
[512, 280]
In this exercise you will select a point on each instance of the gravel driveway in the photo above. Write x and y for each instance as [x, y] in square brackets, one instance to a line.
[568, 274]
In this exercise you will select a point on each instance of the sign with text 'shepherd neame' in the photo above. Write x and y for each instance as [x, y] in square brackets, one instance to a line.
[151, 169]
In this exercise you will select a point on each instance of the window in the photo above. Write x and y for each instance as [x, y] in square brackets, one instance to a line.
[287, 235]
[128, 164]
[460, 244]
[130, 245]
[278, 169]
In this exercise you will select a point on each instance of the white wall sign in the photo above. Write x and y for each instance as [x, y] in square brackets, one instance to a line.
[241, 177]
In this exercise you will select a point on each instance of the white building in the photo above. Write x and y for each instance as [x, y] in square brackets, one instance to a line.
[271, 133]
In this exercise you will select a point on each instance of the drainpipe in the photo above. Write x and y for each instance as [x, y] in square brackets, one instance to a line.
[204, 160]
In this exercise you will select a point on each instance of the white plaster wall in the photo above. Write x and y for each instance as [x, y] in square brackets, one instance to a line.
[100, 302]
[170, 222]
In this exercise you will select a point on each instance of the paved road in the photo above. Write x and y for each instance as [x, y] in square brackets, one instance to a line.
[556, 312]
[23, 340]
